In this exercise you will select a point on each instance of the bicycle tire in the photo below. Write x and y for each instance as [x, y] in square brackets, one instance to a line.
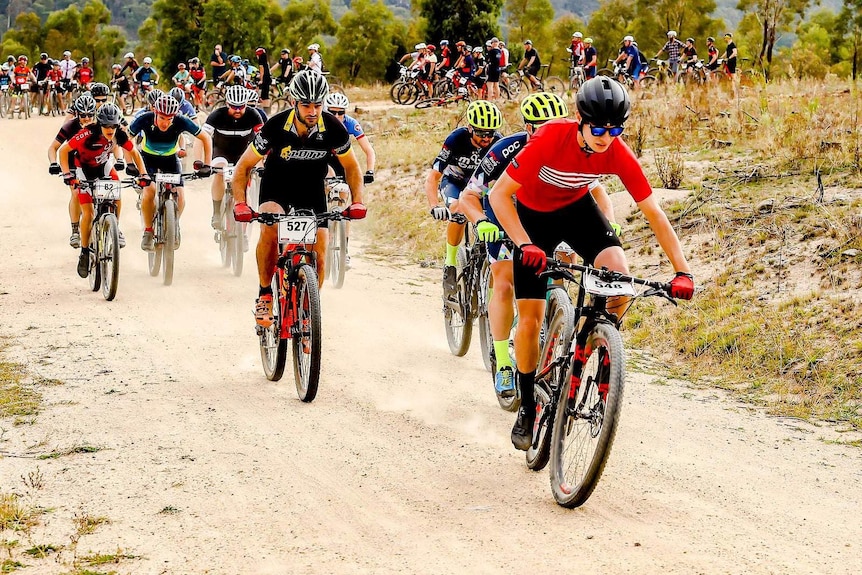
[170, 235]
[223, 237]
[109, 255]
[605, 72]
[307, 373]
[237, 255]
[555, 85]
[558, 338]
[338, 254]
[648, 82]
[273, 347]
[486, 340]
[426, 103]
[94, 276]
[393, 90]
[459, 327]
[407, 94]
[27, 105]
[154, 260]
[575, 469]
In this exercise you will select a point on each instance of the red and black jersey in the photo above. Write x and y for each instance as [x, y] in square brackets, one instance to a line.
[85, 75]
[94, 149]
[555, 172]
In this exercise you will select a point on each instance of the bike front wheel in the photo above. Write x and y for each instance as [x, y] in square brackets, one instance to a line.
[486, 340]
[95, 275]
[170, 236]
[109, 255]
[273, 347]
[587, 417]
[555, 85]
[306, 334]
[338, 253]
[456, 311]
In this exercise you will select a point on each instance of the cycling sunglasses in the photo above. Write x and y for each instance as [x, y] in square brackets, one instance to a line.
[86, 115]
[484, 133]
[599, 131]
[338, 112]
[100, 100]
[240, 107]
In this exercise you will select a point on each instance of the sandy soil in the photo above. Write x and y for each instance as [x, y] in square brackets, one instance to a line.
[403, 462]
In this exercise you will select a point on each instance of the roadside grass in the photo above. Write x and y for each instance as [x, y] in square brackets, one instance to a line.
[772, 228]
[17, 399]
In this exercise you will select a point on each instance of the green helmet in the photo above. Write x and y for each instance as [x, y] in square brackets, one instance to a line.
[484, 115]
[543, 106]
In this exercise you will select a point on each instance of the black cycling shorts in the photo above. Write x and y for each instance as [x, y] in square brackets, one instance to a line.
[581, 225]
[264, 88]
[316, 202]
[165, 164]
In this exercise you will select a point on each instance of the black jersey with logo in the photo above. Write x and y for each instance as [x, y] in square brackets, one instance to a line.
[459, 157]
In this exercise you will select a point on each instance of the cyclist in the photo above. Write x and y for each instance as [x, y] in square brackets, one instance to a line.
[99, 92]
[93, 147]
[197, 82]
[285, 67]
[536, 109]
[461, 153]
[23, 75]
[531, 64]
[689, 54]
[40, 70]
[84, 109]
[68, 67]
[479, 72]
[445, 61]
[576, 49]
[254, 103]
[315, 60]
[265, 76]
[186, 107]
[631, 55]
[120, 84]
[549, 178]
[182, 77]
[232, 128]
[161, 130]
[673, 47]
[235, 74]
[297, 144]
[336, 104]
[55, 81]
[5, 77]
[146, 74]
[590, 59]
[494, 69]
[84, 75]
[712, 55]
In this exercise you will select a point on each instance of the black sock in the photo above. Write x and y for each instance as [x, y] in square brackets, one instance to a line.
[525, 385]
[76, 227]
[85, 251]
[264, 291]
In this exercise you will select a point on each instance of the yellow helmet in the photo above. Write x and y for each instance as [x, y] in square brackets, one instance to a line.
[543, 106]
[484, 115]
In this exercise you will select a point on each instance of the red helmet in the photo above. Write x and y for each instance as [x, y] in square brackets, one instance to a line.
[431, 47]
[297, 61]
[259, 51]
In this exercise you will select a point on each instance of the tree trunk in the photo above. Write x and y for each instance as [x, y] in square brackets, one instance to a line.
[763, 43]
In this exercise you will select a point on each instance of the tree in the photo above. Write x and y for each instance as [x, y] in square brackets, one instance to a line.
[774, 16]
[304, 21]
[172, 33]
[27, 32]
[220, 24]
[689, 18]
[609, 24]
[531, 19]
[852, 14]
[473, 21]
[366, 40]
[94, 17]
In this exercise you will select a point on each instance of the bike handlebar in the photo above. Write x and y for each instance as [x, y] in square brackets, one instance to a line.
[270, 218]
[559, 270]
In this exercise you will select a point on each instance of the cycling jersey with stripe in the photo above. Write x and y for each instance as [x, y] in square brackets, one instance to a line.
[157, 142]
[230, 135]
[94, 149]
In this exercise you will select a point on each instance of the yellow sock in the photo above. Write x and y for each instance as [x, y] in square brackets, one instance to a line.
[451, 255]
[501, 351]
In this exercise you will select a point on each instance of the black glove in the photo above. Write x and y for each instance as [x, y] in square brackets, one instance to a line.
[204, 171]
[54, 169]
[132, 170]
[120, 165]
[70, 179]
[369, 177]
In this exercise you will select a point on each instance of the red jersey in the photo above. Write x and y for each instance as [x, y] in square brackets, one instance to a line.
[197, 74]
[85, 75]
[55, 75]
[554, 171]
[22, 74]
[93, 148]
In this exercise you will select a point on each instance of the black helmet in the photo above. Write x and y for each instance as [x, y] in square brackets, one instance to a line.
[309, 86]
[109, 116]
[603, 101]
[99, 90]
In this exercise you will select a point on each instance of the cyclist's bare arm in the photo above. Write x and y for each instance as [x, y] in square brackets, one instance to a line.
[432, 183]
[500, 198]
[134, 156]
[470, 204]
[63, 155]
[352, 174]
[242, 173]
[52, 152]
[368, 149]
[664, 233]
[207, 142]
[603, 200]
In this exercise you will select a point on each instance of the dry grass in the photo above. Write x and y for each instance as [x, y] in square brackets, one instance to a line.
[17, 399]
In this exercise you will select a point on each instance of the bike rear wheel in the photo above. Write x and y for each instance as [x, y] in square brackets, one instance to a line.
[273, 348]
[224, 241]
[170, 235]
[456, 314]
[306, 335]
[486, 340]
[587, 417]
[338, 253]
[426, 103]
[558, 339]
[555, 85]
[109, 255]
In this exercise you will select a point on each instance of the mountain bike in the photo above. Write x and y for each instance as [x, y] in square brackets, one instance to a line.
[547, 83]
[5, 100]
[230, 237]
[20, 103]
[104, 270]
[577, 76]
[166, 225]
[336, 253]
[296, 309]
[621, 74]
[580, 381]
[461, 94]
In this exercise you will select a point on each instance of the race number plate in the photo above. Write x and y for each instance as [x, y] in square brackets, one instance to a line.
[5, 87]
[297, 230]
[106, 190]
[168, 178]
[596, 286]
[25, 87]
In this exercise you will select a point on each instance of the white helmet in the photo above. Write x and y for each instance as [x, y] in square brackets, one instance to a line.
[148, 60]
[629, 39]
[671, 33]
[67, 53]
[335, 100]
[236, 96]
[577, 35]
[314, 47]
[129, 55]
[477, 50]
[420, 46]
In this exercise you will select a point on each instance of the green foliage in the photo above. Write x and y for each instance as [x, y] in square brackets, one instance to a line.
[366, 40]
[561, 38]
[531, 19]
[220, 24]
[172, 33]
[473, 21]
[609, 24]
[774, 17]
[304, 22]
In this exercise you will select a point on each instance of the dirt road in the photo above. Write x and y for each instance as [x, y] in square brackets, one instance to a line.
[403, 462]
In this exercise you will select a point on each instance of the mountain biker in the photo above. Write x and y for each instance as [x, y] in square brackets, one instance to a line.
[186, 108]
[285, 67]
[689, 53]
[712, 55]
[181, 78]
[493, 68]
[265, 76]
[536, 109]
[232, 128]
[84, 108]
[480, 72]
[146, 73]
[445, 61]
[673, 47]
[68, 68]
[120, 83]
[93, 147]
[549, 178]
[40, 71]
[100, 93]
[460, 155]
[198, 82]
[315, 60]
[336, 104]
[576, 49]
[235, 74]
[297, 144]
[161, 130]
[254, 104]
[591, 57]
[630, 54]
[531, 64]
[84, 74]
